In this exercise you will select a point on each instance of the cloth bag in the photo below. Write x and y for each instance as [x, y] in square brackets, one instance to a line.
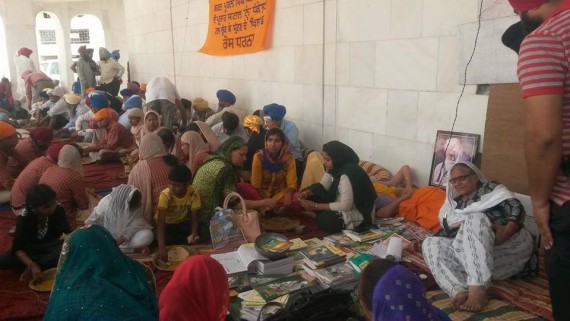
[247, 220]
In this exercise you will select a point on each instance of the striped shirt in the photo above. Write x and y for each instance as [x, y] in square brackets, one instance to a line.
[543, 69]
[29, 177]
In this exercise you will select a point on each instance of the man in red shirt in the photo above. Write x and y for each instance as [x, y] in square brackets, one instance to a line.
[544, 74]
[36, 82]
[115, 136]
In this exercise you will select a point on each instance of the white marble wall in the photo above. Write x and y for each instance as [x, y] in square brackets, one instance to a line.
[379, 75]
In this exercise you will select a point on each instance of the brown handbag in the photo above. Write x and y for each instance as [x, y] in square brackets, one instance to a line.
[247, 220]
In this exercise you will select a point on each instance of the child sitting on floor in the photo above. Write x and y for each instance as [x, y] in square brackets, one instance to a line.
[176, 215]
[39, 226]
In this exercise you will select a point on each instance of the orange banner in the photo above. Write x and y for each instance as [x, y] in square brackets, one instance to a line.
[239, 26]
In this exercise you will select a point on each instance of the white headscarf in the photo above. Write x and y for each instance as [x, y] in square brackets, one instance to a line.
[117, 216]
[69, 157]
[456, 216]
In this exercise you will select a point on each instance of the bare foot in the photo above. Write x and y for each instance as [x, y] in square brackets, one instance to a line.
[459, 299]
[476, 300]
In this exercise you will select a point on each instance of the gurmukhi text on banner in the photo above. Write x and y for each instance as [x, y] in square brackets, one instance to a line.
[239, 26]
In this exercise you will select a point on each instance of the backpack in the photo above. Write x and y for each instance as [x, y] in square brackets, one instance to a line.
[311, 305]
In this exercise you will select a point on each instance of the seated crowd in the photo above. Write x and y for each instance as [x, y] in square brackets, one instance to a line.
[181, 172]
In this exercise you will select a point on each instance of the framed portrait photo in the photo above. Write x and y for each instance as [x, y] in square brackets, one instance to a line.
[450, 148]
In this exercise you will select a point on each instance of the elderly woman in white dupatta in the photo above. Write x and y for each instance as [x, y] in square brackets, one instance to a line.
[482, 237]
[150, 174]
[120, 213]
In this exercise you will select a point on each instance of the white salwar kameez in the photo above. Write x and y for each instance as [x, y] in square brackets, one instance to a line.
[472, 258]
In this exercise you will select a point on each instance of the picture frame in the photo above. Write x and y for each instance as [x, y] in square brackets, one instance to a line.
[451, 147]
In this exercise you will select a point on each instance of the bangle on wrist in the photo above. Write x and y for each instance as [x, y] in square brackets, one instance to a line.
[316, 206]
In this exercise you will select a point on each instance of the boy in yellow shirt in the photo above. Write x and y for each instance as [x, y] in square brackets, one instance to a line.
[176, 215]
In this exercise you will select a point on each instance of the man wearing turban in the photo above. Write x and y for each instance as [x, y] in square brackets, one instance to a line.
[8, 142]
[226, 102]
[57, 115]
[201, 109]
[83, 69]
[111, 72]
[543, 74]
[23, 63]
[29, 149]
[115, 137]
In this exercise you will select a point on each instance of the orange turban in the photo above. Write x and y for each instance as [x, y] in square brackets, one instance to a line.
[6, 130]
[102, 114]
[253, 122]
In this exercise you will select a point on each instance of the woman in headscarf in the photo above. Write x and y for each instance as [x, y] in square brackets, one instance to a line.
[150, 174]
[218, 177]
[389, 291]
[195, 148]
[96, 281]
[120, 213]
[198, 291]
[136, 116]
[66, 180]
[274, 174]
[202, 110]
[482, 237]
[344, 199]
[208, 135]
[39, 226]
[151, 122]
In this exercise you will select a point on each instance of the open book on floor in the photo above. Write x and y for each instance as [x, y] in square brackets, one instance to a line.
[241, 261]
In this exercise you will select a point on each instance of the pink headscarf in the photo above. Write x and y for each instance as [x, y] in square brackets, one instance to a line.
[198, 291]
[140, 176]
[196, 146]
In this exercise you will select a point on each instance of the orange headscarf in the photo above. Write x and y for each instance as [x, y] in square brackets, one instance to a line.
[6, 130]
[253, 122]
[198, 291]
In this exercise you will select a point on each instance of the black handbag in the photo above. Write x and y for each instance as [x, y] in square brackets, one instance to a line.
[304, 305]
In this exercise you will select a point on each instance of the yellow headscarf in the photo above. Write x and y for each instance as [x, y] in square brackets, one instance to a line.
[253, 122]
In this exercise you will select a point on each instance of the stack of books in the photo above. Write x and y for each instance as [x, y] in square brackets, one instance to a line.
[323, 255]
[337, 276]
[283, 266]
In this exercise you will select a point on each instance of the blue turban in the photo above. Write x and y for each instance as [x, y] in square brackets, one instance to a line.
[226, 96]
[133, 102]
[126, 92]
[275, 111]
[43, 94]
[76, 87]
[98, 99]
[116, 54]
